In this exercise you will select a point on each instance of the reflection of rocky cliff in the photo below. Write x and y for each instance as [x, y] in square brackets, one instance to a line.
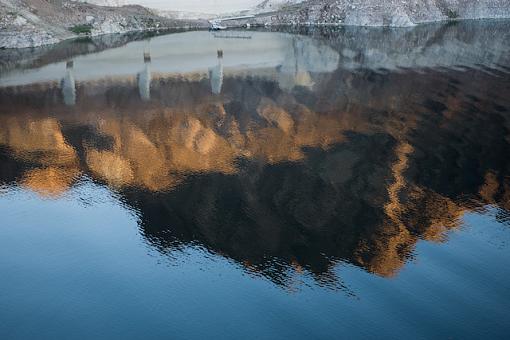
[462, 44]
[358, 167]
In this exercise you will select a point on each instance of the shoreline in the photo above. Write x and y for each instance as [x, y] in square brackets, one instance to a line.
[169, 30]
[87, 36]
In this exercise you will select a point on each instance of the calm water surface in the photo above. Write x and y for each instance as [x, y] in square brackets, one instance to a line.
[323, 184]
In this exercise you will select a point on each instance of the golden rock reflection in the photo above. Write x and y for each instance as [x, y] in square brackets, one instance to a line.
[51, 181]
[38, 140]
[327, 179]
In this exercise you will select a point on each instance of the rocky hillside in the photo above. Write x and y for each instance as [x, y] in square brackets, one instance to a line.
[396, 13]
[29, 23]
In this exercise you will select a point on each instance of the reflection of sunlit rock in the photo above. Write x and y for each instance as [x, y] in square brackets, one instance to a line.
[195, 147]
[138, 160]
[136, 146]
[442, 214]
[386, 251]
[275, 115]
[393, 208]
[110, 167]
[490, 188]
[505, 200]
[197, 139]
[37, 140]
[50, 181]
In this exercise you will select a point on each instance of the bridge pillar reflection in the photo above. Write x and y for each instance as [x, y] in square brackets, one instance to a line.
[216, 74]
[144, 78]
[68, 85]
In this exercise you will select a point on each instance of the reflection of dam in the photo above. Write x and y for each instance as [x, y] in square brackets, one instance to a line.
[69, 85]
[216, 75]
[465, 44]
[290, 60]
[195, 53]
[144, 78]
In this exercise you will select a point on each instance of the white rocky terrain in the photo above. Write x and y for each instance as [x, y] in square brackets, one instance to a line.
[201, 9]
[208, 7]
[350, 12]
[28, 23]
[394, 13]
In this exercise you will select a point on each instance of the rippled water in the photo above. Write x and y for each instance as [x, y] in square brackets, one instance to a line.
[318, 184]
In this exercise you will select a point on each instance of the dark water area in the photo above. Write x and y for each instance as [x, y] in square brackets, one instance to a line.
[347, 183]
